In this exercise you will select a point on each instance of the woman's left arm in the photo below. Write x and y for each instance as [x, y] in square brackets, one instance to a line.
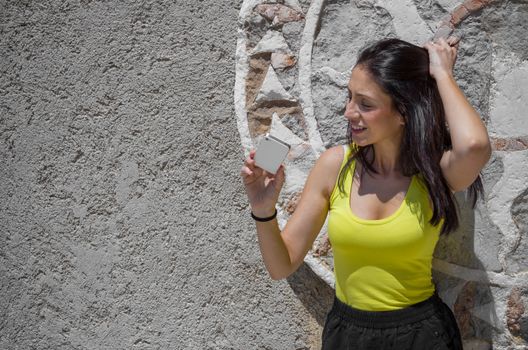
[471, 145]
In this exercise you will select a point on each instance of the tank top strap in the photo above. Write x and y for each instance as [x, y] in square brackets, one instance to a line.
[336, 193]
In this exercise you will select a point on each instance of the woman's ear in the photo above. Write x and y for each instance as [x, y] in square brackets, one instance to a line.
[401, 119]
[401, 115]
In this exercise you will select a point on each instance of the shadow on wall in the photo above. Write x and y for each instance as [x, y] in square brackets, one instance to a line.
[469, 297]
[316, 296]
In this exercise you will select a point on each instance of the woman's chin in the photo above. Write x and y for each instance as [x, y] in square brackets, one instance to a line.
[361, 142]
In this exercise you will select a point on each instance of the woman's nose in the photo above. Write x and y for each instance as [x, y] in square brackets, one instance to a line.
[350, 110]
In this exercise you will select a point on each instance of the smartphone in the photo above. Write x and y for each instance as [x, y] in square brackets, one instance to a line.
[271, 152]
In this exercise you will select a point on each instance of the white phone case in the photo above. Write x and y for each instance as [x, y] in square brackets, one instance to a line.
[271, 152]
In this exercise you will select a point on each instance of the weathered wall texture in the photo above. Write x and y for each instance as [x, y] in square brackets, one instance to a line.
[293, 62]
[123, 222]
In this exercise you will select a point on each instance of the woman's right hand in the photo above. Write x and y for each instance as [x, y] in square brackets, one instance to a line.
[262, 188]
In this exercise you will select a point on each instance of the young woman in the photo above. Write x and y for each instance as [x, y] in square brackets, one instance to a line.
[414, 140]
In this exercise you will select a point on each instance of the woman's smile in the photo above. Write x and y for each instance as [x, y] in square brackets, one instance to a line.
[356, 130]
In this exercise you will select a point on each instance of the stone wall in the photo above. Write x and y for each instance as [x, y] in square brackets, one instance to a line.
[293, 63]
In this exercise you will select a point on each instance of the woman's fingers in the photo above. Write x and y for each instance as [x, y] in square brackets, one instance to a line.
[250, 170]
[281, 175]
[250, 163]
[442, 46]
[250, 177]
[245, 171]
[250, 160]
[453, 40]
[446, 44]
[442, 56]
[428, 45]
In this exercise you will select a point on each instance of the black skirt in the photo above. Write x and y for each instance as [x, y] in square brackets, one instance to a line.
[429, 325]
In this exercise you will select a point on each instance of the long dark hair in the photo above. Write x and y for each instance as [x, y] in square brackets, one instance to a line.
[401, 69]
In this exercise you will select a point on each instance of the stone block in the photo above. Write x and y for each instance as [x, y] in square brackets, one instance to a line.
[279, 13]
[517, 259]
[515, 310]
[475, 5]
[459, 14]
[281, 60]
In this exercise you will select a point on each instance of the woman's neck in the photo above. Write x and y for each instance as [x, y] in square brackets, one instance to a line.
[386, 160]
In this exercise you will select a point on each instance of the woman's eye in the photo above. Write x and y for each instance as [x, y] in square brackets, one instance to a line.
[365, 105]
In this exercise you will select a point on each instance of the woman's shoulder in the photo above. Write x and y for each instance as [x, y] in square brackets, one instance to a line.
[328, 166]
[333, 156]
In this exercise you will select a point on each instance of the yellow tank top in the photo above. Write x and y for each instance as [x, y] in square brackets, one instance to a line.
[382, 264]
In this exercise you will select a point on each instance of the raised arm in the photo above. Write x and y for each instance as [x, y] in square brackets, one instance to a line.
[471, 146]
[283, 252]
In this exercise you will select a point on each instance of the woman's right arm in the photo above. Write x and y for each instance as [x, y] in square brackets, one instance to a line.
[283, 252]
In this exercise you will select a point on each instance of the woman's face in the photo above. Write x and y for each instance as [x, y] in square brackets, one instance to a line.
[370, 111]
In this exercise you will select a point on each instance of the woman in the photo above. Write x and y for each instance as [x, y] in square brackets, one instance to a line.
[414, 140]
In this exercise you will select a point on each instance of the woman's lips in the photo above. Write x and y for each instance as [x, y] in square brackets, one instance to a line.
[357, 129]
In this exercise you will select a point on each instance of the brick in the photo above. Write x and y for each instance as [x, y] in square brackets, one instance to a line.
[475, 5]
[459, 14]
[499, 144]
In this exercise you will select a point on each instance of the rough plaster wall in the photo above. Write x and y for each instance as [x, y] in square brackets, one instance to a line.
[123, 222]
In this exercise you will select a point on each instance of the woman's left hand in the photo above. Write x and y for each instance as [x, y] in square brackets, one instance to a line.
[442, 56]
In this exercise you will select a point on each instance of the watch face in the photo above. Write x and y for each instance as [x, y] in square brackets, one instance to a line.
[293, 64]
